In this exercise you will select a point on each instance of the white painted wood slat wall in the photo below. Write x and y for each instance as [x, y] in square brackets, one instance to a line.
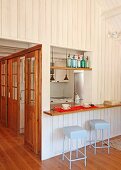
[105, 62]
[74, 24]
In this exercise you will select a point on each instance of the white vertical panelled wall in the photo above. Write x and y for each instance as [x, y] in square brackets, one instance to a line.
[85, 29]
[74, 24]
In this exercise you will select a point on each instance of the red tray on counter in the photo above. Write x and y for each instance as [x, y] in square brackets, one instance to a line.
[73, 108]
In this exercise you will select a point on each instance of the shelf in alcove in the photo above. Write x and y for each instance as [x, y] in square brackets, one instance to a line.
[68, 68]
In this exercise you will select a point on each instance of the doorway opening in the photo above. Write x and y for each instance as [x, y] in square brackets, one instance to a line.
[20, 93]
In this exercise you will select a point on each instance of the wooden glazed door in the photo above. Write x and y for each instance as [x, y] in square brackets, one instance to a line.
[32, 100]
[14, 94]
[3, 88]
[0, 92]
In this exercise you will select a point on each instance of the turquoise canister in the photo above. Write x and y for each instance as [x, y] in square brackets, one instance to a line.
[68, 62]
[74, 62]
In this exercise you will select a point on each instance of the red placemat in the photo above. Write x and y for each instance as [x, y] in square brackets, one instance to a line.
[73, 108]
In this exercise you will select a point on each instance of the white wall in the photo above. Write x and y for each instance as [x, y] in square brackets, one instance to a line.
[74, 24]
[106, 73]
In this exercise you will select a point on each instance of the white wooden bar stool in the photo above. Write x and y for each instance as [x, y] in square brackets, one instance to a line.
[74, 133]
[99, 124]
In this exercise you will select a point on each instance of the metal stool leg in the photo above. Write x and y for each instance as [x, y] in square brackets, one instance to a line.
[85, 152]
[77, 148]
[108, 140]
[95, 141]
[90, 140]
[63, 148]
[70, 143]
[102, 137]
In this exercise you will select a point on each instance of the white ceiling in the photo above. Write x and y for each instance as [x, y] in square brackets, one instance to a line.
[8, 47]
[109, 4]
[115, 22]
[112, 12]
[6, 50]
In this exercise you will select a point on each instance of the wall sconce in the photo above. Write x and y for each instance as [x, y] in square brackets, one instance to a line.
[114, 35]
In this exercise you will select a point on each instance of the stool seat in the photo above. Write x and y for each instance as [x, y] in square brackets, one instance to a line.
[99, 124]
[75, 132]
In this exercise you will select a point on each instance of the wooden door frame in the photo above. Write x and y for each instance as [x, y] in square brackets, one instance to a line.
[37, 106]
[21, 54]
[40, 103]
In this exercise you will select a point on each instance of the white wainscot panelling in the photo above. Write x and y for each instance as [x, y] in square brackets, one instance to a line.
[21, 19]
[35, 20]
[54, 22]
[9, 18]
[29, 16]
[65, 23]
[0, 16]
[42, 20]
[53, 136]
[5, 18]
[47, 141]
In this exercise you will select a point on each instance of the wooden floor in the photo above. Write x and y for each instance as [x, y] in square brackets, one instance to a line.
[14, 156]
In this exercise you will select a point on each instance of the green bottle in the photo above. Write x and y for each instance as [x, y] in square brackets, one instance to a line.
[83, 62]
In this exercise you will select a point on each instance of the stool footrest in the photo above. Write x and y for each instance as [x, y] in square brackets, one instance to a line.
[100, 146]
[76, 159]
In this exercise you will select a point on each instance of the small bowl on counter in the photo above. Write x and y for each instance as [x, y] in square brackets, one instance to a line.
[86, 105]
[66, 106]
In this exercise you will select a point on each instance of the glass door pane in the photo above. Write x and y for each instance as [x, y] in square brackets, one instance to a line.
[31, 79]
[14, 80]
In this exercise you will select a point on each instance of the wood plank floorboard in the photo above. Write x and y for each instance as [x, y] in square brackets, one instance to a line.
[15, 156]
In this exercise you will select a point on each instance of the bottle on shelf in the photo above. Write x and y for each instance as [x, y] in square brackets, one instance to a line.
[74, 62]
[87, 62]
[77, 98]
[78, 62]
[68, 62]
[83, 62]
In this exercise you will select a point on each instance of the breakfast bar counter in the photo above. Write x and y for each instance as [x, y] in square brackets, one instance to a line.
[53, 112]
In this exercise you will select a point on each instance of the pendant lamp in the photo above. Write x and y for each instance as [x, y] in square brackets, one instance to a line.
[66, 77]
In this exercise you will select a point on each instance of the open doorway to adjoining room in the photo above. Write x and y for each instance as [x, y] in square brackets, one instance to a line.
[20, 90]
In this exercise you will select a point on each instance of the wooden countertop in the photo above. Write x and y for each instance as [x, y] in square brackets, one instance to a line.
[55, 113]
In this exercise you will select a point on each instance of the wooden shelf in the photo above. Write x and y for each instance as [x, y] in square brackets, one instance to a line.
[69, 68]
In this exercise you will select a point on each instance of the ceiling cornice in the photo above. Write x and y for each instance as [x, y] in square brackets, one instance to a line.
[111, 13]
